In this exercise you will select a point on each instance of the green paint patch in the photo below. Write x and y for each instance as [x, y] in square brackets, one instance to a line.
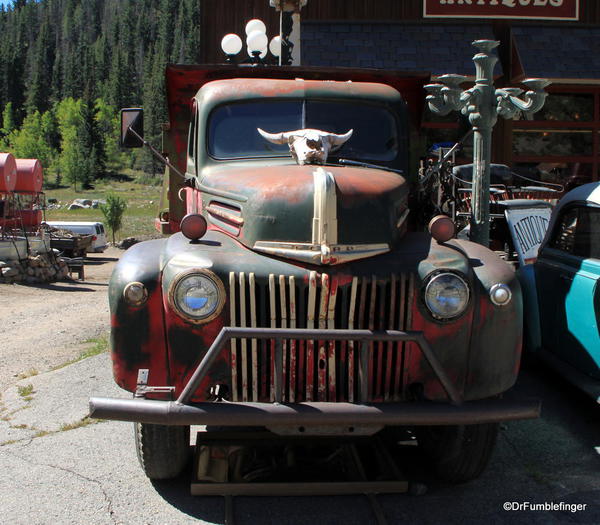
[98, 345]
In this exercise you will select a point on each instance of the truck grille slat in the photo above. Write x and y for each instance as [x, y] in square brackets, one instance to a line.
[315, 370]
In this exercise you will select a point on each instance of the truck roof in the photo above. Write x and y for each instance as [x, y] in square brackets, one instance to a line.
[184, 81]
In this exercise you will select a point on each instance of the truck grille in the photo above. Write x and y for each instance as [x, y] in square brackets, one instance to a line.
[319, 370]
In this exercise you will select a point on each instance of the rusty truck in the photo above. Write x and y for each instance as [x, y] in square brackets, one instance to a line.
[295, 293]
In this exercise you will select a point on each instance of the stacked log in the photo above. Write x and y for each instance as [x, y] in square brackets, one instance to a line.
[42, 268]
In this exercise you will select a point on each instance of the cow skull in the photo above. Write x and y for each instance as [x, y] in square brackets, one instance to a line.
[308, 146]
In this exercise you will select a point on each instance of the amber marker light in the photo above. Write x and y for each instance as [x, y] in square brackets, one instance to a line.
[442, 228]
[193, 226]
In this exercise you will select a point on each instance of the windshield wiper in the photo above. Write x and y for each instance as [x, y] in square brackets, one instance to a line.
[348, 162]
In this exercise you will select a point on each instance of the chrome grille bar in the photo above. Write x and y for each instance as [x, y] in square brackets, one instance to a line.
[244, 344]
[330, 371]
[293, 342]
[232, 318]
[310, 345]
[283, 306]
[273, 312]
[252, 283]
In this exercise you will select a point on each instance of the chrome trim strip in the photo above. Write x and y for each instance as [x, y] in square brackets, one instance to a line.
[313, 253]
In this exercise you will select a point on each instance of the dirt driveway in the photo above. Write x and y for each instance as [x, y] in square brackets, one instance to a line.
[42, 329]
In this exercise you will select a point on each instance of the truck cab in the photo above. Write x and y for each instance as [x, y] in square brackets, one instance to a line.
[297, 296]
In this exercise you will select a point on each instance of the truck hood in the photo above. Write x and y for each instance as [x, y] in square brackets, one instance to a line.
[314, 214]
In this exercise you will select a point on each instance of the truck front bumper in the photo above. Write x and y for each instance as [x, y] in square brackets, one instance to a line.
[322, 414]
[312, 414]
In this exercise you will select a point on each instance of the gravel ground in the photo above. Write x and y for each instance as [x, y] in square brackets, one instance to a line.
[45, 326]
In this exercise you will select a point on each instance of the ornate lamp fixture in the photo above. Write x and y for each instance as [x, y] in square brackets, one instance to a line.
[482, 104]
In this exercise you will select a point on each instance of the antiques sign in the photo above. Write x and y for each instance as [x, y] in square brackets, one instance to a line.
[539, 9]
[528, 225]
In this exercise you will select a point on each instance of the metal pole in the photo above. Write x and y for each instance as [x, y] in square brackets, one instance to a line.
[483, 120]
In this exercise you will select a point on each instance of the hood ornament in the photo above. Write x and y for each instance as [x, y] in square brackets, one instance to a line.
[308, 146]
[324, 247]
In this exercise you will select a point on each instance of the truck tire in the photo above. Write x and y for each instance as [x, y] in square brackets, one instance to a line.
[458, 453]
[163, 451]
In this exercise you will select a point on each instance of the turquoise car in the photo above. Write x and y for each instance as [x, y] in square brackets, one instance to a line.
[562, 291]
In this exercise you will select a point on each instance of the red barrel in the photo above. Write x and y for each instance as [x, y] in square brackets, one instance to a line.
[29, 176]
[8, 172]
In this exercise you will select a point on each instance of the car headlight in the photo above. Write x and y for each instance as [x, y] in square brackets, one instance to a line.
[446, 295]
[198, 295]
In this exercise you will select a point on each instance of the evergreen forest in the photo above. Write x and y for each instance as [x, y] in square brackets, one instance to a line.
[68, 66]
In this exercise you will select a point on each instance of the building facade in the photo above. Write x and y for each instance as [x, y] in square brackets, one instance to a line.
[554, 39]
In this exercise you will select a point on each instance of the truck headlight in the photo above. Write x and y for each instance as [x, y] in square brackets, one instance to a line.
[198, 295]
[446, 295]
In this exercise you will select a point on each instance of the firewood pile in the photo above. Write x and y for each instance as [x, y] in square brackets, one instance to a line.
[42, 268]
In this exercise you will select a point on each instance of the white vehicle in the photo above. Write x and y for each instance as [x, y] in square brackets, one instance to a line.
[99, 242]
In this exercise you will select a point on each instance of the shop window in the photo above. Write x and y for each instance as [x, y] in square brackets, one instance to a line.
[577, 107]
[566, 174]
[561, 142]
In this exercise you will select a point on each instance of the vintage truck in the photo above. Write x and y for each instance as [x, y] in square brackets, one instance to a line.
[298, 297]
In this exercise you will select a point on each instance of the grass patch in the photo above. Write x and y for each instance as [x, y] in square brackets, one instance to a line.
[26, 391]
[83, 422]
[42, 433]
[99, 345]
[29, 373]
[22, 426]
[139, 190]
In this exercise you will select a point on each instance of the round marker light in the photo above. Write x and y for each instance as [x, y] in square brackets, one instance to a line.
[442, 228]
[135, 294]
[198, 295]
[446, 295]
[500, 294]
[193, 226]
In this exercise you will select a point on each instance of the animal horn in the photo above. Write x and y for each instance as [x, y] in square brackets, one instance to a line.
[337, 141]
[275, 138]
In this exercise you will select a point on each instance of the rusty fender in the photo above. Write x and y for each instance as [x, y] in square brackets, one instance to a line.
[321, 414]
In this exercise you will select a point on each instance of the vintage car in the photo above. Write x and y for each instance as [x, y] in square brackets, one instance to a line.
[562, 291]
[296, 297]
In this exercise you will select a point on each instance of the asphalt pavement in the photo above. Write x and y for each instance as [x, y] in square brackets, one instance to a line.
[58, 467]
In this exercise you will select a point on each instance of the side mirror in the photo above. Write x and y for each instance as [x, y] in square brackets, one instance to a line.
[132, 127]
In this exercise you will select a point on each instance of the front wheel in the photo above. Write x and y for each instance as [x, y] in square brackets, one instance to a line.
[458, 453]
[163, 451]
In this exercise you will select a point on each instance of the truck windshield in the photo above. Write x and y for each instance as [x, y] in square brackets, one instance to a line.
[232, 128]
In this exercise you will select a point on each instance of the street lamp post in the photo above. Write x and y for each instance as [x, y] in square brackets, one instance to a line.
[482, 104]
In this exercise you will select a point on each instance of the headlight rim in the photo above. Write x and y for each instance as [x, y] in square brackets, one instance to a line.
[207, 274]
[427, 281]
